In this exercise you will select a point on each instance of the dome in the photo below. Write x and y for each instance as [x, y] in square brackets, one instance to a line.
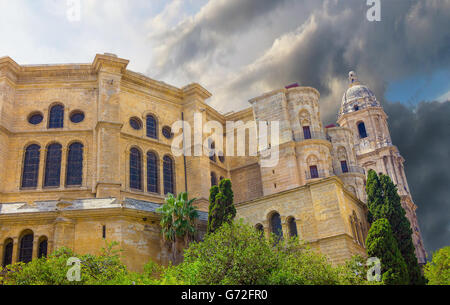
[357, 96]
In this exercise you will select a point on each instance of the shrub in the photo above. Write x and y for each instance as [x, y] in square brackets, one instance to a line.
[237, 255]
[221, 207]
[437, 272]
[382, 244]
[53, 270]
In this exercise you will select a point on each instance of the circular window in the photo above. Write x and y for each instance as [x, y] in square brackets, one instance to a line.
[35, 118]
[77, 117]
[167, 132]
[135, 123]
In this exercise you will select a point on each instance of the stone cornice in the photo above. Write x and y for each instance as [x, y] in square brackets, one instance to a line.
[196, 90]
[370, 110]
[114, 125]
[108, 60]
[285, 91]
[237, 116]
[8, 62]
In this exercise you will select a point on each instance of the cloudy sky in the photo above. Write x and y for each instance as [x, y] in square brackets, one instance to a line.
[239, 49]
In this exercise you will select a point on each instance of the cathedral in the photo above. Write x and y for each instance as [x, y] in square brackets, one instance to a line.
[86, 157]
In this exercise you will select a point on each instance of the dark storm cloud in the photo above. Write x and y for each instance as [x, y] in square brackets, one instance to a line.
[316, 43]
[197, 38]
[412, 38]
[423, 138]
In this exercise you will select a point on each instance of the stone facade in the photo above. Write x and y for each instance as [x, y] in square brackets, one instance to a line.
[317, 186]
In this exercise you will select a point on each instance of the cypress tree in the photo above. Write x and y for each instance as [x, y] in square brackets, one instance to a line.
[214, 211]
[381, 243]
[384, 202]
[221, 207]
[374, 195]
[401, 228]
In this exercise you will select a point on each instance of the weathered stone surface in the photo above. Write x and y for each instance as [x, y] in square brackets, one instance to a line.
[328, 209]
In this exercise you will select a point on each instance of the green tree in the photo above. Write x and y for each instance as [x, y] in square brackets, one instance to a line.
[178, 216]
[374, 195]
[221, 207]
[235, 254]
[381, 243]
[94, 270]
[437, 272]
[384, 202]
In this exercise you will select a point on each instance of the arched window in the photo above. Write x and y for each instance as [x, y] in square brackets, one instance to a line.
[74, 175]
[275, 225]
[135, 169]
[31, 166]
[169, 183]
[212, 150]
[7, 252]
[352, 225]
[53, 166]
[362, 130]
[152, 173]
[56, 119]
[306, 132]
[152, 127]
[292, 227]
[213, 179]
[314, 172]
[344, 166]
[26, 248]
[43, 245]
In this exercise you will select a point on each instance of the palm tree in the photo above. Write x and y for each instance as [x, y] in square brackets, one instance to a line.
[178, 216]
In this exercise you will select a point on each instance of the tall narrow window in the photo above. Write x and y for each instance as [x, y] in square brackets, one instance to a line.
[292, 227]
[213, 179]
[135, 169]
[344, 166]
[7, 253]
[362, 130]
[306, 132]
[352, 225]
[43, 245]
[275, 225]
[53, 166]
[74, 174]
[31, 166]
[104, 232]
[26, 248]
[168, 175]
[152, 127]
[56, 119]
[152, 173]
[313, 172]
[212, 150]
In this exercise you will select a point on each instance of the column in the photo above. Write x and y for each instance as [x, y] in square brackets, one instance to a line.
[35, 247]
[2, 252]
[107, 131]
[16, 249]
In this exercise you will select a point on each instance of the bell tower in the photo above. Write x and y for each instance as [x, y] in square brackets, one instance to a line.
[363, 114]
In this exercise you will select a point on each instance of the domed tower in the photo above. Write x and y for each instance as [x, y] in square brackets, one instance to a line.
[362, 113]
